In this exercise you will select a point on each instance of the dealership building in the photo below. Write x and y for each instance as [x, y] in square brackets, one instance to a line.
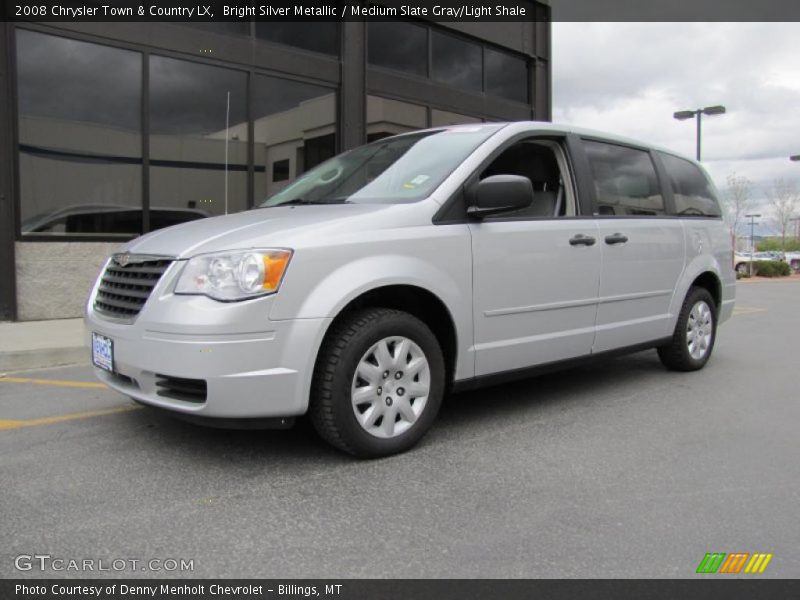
[111, 130]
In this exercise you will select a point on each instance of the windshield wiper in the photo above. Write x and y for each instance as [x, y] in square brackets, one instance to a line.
[302, 201]
[298, 201]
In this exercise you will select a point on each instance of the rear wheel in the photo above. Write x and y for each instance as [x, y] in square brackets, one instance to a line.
[378, 383]
[742, 268]
[695, 332]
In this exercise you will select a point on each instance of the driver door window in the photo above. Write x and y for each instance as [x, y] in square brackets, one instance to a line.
[543, 162]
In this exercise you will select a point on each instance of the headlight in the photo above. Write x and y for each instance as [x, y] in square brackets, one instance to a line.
[234, 275]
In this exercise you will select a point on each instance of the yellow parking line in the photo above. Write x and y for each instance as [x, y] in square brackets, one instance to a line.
[16, 424]
[747, 310]
[55, 382]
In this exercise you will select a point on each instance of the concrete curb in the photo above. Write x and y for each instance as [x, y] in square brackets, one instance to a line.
[41, 344]
[21, 360]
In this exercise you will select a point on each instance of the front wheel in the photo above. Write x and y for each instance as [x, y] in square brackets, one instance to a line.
[694, 335]
[378, 383]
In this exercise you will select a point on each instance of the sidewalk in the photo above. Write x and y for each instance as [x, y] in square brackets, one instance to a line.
[38, 344]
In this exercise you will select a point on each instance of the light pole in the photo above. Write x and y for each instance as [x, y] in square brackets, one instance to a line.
[682, 115]
[752, 218]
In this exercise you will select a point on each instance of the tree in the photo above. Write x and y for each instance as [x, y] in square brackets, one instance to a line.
[784, 202]
[737, 201]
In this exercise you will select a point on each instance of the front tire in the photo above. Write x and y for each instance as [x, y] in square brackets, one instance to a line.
[695, 333]
[378, 383]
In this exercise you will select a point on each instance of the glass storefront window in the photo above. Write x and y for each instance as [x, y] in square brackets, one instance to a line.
[456, 62]
[398, 45]
[442, 118]
[387, 117]
[322, 37]
[79, 137]
[506, 75]
[294, 129]
[198, 139]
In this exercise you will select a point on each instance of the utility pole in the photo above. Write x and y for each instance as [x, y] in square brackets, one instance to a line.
[752, 218]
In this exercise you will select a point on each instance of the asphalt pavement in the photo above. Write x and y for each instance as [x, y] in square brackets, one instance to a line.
[615, 469]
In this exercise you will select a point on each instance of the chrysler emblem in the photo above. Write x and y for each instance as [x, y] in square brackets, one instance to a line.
[123, 260]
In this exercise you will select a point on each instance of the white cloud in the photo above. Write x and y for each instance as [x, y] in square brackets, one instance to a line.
[628, 78]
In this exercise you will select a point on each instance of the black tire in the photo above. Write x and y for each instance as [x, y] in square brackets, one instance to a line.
[330, 407]
[675, 355]
[742, 268]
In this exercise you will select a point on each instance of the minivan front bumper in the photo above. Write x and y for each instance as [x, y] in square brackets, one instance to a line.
[236, 362]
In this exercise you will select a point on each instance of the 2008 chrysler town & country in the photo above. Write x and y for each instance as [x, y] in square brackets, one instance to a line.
[420, 263]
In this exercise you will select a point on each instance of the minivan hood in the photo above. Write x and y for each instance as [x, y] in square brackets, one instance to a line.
[277, 226]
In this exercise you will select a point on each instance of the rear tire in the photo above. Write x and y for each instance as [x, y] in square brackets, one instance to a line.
[378, 383]
[695, 333]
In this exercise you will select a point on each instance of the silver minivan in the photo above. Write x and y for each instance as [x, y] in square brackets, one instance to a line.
[418, 265]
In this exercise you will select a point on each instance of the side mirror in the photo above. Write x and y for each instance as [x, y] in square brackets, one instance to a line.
[499, 194]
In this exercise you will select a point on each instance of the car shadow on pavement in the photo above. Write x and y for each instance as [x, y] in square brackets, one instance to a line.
[580, 384]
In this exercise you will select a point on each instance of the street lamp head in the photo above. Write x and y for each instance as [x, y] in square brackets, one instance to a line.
[714, 110]
[682, 115]
[751, 216]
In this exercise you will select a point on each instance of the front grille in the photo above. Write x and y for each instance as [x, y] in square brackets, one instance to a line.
[178, 388]
[124, 289]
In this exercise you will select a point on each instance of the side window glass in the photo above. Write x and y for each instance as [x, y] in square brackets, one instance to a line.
[694, 194]
[536, 160]
[625, 180]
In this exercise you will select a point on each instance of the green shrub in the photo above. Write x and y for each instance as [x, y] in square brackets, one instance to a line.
[792, 245]
[771, 268]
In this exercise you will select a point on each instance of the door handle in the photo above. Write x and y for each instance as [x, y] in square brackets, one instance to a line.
[616, 238]
[582, 240]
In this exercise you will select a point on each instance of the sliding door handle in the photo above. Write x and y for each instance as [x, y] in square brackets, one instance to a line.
[616, 238]
[582, 240]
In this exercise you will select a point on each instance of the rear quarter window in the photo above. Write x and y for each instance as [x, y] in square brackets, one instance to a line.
[694, 195]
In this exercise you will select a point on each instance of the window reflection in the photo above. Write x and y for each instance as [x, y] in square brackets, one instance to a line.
[320, 36]
[294, 129]
[387, 117]
[442, 118]
[506, 75]
[456, 62]
[398, 45]
[197, 164]
[79, 136]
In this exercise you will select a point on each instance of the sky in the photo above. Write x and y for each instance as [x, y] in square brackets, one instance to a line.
[629, 78]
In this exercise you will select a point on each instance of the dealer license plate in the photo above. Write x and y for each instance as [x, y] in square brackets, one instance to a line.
[103, 352]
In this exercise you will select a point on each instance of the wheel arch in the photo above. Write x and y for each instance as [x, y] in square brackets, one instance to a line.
[710, 281]
[417, 301]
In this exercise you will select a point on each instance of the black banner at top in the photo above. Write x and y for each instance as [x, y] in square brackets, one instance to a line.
[435, 10]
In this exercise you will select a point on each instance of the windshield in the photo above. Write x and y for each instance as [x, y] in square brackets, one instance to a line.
[394, 170]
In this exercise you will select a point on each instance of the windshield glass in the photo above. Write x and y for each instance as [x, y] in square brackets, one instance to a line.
[394, 170]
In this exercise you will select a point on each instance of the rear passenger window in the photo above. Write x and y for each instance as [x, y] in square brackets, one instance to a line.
[694, 195]
[625, 181]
